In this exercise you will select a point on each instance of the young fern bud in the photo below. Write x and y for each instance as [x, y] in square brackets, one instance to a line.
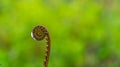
[39, 33]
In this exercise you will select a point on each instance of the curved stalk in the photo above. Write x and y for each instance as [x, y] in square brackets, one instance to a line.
[39, 33]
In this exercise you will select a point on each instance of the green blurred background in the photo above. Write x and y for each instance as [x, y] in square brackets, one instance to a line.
[84, 33]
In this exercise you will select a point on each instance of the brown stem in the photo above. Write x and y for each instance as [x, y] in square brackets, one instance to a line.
[47, 50]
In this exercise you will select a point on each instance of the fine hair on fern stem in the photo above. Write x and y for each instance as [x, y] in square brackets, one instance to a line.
[39, 33]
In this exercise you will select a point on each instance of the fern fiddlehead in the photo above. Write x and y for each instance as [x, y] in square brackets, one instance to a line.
[39, 33]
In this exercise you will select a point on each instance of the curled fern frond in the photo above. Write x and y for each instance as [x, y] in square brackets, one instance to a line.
[39, 33]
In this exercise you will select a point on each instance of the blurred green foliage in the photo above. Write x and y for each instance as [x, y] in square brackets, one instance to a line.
[84, 33]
